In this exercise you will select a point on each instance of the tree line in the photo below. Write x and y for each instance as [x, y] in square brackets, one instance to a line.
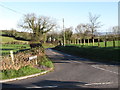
[41, 30]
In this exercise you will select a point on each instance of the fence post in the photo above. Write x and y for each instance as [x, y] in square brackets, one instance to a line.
[98, 42]
[70, 41]
[74, 41]
[105, 43]
[12, 57]
[113, 42]
[36, 62]
[93, 42]
[84, 41]
[88, 42]
[80, 41]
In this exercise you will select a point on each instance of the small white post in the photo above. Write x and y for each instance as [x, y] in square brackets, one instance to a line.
[36, 62]
[12, 57]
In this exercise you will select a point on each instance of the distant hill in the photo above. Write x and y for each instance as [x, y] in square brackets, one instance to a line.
[104, 33]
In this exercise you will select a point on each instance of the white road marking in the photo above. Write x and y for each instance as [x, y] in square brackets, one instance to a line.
[34, 87]
[74, 61]
[42, 86]
[105, 83]
[103, 69]
[77, 61]
[49, 86]
[69, 55]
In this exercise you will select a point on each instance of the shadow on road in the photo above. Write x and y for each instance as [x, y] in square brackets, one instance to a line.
[5, 85]
[59, 84]
[66, 57]
[48, 84]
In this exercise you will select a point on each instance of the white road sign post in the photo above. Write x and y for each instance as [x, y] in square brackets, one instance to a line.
[33, 57]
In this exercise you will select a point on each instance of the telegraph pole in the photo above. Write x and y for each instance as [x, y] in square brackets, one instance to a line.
[64, 34]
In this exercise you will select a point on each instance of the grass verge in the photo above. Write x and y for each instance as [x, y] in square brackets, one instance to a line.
[24, 71]
[45, 61]
[103, 54]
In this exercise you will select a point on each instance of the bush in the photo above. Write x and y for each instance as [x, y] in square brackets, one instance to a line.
[34, 45]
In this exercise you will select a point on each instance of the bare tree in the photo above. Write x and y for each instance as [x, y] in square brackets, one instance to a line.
[83, 31]
[94, 24]
[38, 25]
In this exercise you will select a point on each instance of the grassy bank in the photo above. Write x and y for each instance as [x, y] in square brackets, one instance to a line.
[27, 70]
[43, 62]
[96, 53]
[24, 71]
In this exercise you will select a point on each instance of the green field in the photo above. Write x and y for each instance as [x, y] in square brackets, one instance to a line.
[6, 48]
[102, 44]
[10, 39]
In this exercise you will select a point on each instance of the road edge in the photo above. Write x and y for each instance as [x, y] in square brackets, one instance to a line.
[25, 77]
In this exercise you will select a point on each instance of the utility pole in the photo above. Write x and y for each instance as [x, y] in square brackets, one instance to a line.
[64, 42]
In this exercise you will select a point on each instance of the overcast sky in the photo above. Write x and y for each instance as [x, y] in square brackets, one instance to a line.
[73, 13]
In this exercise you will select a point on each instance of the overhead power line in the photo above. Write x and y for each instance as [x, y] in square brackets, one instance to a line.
[10, 9]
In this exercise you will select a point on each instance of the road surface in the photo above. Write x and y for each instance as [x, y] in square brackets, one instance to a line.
[71, 72]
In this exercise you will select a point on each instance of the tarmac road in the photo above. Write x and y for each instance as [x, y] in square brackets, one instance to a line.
[71, 72]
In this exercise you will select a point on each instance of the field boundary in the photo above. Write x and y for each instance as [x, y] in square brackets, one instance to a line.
[29, 76]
